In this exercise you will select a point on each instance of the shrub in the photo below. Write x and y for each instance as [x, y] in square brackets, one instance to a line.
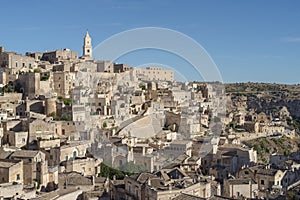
[104, 125]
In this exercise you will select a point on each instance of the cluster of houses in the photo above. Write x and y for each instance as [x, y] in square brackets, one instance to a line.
[63, 116]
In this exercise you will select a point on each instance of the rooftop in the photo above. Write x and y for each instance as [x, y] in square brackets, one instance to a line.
[4, 154]
[241, 181]
[25, 154]
[7, 163]
[142, 177]
[74, 144]
[180, 142]
[184, 196]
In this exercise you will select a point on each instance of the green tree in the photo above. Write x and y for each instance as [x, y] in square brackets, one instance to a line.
[133, 168]
[37, 70]
[106, 171]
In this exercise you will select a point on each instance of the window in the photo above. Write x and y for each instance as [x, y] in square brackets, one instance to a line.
[18, 177]
[51, 157]
[88, 51]
[262, 182]
[129, 187]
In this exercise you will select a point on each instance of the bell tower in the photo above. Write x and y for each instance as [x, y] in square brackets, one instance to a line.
[87, 46]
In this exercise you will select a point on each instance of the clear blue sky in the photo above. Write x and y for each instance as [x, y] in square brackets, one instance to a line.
[248, 40]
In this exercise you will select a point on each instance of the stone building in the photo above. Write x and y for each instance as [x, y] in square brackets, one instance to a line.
[29, 84]
[11, 171]
[68, 152]
[35, 166]
[235, 157]
[6, 77]
[68, 129]
[188, 164]
[41, 129]
[155, 74]
[178, 147]
[64, 66]
[266, 177]
[165, 184]
[17, 139]
[63, 83]
[45, 65]
[105, 66]
[59, 55]
[36, 55]
[117, 189]
[85, 165]
[173, 182]
[237, 188]
[15, 62]
[102, 104]
[135, 185]
[119, 68]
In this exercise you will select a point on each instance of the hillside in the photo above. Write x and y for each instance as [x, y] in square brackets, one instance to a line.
[269, 98]
[267, 146]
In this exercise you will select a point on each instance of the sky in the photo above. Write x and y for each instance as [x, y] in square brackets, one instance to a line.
[257, 41]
